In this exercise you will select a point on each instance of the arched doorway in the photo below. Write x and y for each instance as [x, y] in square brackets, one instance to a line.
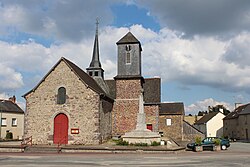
[61, 129]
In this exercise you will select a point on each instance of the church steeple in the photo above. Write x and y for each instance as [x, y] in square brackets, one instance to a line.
[95, 68]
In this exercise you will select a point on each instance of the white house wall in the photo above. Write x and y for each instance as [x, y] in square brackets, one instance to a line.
[17, 130]
[215, 126]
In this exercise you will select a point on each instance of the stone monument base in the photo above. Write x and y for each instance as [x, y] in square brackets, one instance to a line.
[142, 136]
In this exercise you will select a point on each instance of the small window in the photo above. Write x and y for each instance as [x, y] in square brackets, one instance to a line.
[61, 96]
[128, 47]
[3, 122]
[168, 122]
[128, 58]
[90, 73]
[96, 73]
[14, 122]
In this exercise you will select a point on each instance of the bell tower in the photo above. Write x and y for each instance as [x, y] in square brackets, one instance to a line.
[129, 56]
[129, 84]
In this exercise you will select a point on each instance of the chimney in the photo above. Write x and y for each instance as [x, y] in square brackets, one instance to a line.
[13, 99]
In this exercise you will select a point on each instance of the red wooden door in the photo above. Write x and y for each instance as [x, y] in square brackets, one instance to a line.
[150, 127]
[61, 129]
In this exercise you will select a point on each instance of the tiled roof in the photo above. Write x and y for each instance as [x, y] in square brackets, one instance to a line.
[10, 107]
[152, 89]
[172, 108]
[206, 118]
[84, 77]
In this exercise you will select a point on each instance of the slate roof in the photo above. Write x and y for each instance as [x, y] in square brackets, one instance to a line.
[10, 107]
[112, 87]
[84, 77]
[152, 89]
[128, 38]
[172, 108]
[206, 118]
[243, 109]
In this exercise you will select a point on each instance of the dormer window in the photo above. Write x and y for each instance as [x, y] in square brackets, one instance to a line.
[61, 95]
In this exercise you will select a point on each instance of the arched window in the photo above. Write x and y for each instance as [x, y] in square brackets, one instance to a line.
[61, 95]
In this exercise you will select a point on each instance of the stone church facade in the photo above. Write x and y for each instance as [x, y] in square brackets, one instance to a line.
[75, 107]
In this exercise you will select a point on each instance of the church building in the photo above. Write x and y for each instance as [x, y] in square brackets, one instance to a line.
[72, 106]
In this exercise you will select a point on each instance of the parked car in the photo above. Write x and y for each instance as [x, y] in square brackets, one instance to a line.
[209, 142]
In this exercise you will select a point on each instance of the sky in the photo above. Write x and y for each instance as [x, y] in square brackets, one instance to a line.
[200, 49]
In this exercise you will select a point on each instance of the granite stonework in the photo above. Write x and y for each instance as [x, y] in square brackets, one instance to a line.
[82, 108]
[152, 116]
[175, 130]
[126, 105]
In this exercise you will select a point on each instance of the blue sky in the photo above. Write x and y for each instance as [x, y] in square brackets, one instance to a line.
[200, 49]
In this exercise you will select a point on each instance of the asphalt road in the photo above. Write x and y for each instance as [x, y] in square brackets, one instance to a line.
[238, 155]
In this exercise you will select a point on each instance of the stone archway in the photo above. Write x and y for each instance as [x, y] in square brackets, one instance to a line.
[61, 125]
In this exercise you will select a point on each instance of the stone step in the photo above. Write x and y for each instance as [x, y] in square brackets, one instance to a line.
[42, 149]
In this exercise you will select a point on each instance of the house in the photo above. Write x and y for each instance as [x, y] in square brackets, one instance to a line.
[211, 124]
[12, 118]
[72, 106]
[237, 123]
[171, 120]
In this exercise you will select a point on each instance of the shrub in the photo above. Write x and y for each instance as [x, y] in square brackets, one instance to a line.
[155, 143]
[9, 135]
[216, 142]
[141, 144]
[198, 140]
[122, 143]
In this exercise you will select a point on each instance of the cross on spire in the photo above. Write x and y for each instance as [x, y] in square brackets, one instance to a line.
[97, 23]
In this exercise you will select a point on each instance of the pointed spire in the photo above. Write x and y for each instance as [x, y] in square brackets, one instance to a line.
[95, 68]
[95, 57]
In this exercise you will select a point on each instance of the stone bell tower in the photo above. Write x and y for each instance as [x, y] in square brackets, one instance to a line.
[129, 84]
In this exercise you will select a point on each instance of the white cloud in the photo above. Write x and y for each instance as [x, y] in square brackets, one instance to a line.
[211, 17]
[203, 106]
[10, 79]
[196, 61]
[60, 20]
[4, 96]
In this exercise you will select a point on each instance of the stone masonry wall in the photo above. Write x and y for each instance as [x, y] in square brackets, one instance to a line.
[126, 106]
[106, 120]
[175, 130]
[244, 127]
[81, 108]
[152, 116]
[230, 129]
[190, 133]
